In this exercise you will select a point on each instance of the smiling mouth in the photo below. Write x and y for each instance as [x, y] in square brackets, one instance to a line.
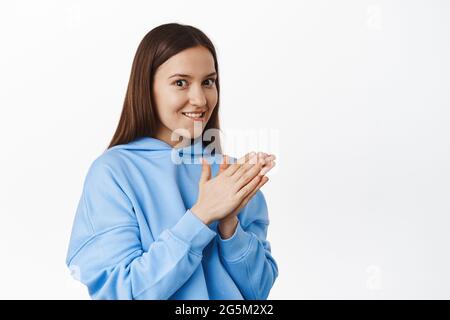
[196, 116]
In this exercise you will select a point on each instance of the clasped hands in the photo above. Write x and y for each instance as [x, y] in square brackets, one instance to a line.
[222, 197]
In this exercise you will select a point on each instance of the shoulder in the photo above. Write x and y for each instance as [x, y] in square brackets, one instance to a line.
[109, 162]
[106, 171]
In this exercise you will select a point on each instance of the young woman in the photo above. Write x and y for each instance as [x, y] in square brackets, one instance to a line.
[164, 219]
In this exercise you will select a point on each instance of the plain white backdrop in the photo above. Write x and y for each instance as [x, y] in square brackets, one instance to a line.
[357, 91]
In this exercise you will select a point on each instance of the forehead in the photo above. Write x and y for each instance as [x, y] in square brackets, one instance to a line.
[196, 61]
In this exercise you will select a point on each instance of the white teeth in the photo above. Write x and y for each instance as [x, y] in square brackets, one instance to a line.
[194, 115]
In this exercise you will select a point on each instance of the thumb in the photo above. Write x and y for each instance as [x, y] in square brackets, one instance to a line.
[206, 171]
[223, 166]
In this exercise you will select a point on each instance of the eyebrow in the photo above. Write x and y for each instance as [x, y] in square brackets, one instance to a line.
[190, 77]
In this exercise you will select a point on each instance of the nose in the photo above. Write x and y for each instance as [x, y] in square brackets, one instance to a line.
[197, 96]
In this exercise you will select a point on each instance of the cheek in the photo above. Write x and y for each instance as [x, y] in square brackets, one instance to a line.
[170, 106]
[212, 98]
[173, 114]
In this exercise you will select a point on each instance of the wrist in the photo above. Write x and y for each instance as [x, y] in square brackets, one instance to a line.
[227, 227]
[229, 221]
[199, 213]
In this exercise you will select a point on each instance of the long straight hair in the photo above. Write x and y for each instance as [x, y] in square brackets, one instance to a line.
[139, 117]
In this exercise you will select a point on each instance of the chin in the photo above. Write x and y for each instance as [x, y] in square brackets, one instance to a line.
[192, 130]
[194, 136]
[186, 134]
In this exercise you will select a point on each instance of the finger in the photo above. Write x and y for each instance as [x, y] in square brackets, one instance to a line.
[246, 172]
[206, 171]
[252, 161]
[267, 168]
[248, 197]
[235, 166]
[259, 186]
[247, 176]
[262, 156]
[246, 157]
[270, 157]
[252, 194]
[246, 189]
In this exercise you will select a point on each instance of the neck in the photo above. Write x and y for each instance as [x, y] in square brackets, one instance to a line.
[164, 134]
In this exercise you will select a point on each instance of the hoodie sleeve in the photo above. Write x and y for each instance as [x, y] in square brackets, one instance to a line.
[247, 254]
[105, 252]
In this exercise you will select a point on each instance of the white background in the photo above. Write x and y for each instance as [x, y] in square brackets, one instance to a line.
[357, 90]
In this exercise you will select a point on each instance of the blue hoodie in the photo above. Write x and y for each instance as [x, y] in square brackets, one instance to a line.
[134, 236]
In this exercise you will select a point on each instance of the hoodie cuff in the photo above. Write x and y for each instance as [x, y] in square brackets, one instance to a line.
[237, 246]
[193, 231]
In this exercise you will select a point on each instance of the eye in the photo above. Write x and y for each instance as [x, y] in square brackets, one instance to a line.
[178, 81]
[212, 81]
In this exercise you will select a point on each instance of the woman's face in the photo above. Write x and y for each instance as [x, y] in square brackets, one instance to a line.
[185, 94]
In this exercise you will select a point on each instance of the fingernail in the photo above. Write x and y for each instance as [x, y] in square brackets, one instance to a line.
[264, 171]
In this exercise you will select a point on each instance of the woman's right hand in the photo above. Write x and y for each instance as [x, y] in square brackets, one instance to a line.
[220, 195]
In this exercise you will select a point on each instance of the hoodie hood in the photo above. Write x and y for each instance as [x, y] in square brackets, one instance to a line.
[193, 151]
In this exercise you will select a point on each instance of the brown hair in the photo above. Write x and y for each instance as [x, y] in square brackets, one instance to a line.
[139, 117]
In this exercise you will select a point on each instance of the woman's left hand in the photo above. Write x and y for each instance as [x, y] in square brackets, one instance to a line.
[227, 225]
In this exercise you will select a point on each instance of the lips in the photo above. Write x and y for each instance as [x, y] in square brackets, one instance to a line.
[196, 116]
